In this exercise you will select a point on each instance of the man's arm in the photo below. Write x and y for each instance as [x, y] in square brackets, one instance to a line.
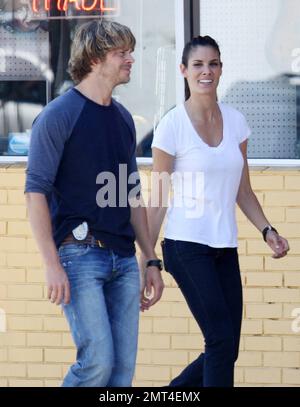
[152, 278]
[39, 217]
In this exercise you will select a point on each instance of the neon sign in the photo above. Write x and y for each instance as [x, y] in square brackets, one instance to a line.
[101, 7]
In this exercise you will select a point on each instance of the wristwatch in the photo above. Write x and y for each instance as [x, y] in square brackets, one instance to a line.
[266, 230]
[155, 263]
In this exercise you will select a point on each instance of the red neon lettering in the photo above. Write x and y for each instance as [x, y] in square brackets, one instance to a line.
[36, 3]
[89, 8]
[64, 7]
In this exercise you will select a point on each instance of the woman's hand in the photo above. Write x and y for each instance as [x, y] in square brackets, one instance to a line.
[278, 244]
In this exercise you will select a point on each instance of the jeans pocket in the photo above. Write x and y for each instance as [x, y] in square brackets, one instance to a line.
[71, 251]
[164, 255]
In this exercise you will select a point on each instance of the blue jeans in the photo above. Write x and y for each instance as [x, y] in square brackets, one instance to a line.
[103, 315]
[209, 279]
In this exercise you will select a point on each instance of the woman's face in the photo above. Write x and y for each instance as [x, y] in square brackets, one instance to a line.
[203, 71]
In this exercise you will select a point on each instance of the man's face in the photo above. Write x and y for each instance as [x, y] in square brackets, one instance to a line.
[117, 66]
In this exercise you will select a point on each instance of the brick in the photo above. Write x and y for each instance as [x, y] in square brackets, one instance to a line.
[3, 292]
[42, 308]
[25, 323]
[251, 263]
[281, 295]
[25, 355]
[154, 341]
[187, 341]
[262, 375]
[257, 247]
[19, 228]
[264, 279]
[193, 326]
[24, 260]
[56, 324]
[262, 343]
[282, 199]
[291, 344]
[12, 180]
[152, 373]
[289, 263]
[292, 279]
[12, 370]
[146, 325]
[43, 339]
[292, 214]
[25, 383]
[291, 310]
[162, 309]
[292, 182]
[12, 275]
[144, 357]
[3, 355]
[67, 340]
[2, 228]
[26, 291]
[239, 375]
[249, 359]
[12, 212]
[52, 383]
[170, 357]
[3, 197]
[31, 246]
[291, 376]
[242, 247]
[281, 359]
[60, 355]
[3, 383]
[267, 182]
[35, 276]
[278, 327]
[253, 295]
[289, 230]
[13, 339]
[170, 325]
[16, 197]
[275, 214]
[264, 310]
[44, 370]
[253, 327]
[172, 294]
[248, 231]
[13, 307]
[180, 309]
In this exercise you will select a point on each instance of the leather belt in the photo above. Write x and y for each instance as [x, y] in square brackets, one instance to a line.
[89, 240]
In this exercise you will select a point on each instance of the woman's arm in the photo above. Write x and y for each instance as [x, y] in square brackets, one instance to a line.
[158, 202]
[251, 207]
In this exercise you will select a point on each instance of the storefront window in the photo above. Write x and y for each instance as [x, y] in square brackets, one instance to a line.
[35, 41]
[260, 45]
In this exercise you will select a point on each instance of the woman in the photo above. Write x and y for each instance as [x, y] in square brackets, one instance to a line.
[204, 143]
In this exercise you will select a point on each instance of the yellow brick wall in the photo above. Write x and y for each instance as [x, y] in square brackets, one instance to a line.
[37, 349]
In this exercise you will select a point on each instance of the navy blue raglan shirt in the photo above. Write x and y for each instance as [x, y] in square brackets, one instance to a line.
[74, 140]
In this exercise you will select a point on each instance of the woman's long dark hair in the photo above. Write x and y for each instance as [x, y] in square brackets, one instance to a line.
[205, 41]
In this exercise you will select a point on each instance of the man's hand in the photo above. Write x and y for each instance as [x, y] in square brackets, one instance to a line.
[152, 285]
[58, 285]
[278, 244]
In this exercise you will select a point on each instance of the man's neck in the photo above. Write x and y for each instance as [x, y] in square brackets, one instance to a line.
[97, 92]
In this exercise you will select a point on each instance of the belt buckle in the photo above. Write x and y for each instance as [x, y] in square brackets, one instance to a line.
[100, 244]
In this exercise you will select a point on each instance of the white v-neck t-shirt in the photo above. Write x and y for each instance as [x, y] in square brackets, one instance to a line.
[206, 179]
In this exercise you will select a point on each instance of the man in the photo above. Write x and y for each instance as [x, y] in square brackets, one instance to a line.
[78, 140]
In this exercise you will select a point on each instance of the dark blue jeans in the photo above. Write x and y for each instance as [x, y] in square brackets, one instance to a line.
[210, 281]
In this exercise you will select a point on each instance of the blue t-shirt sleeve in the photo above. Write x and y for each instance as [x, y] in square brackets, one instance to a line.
[49, 134]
